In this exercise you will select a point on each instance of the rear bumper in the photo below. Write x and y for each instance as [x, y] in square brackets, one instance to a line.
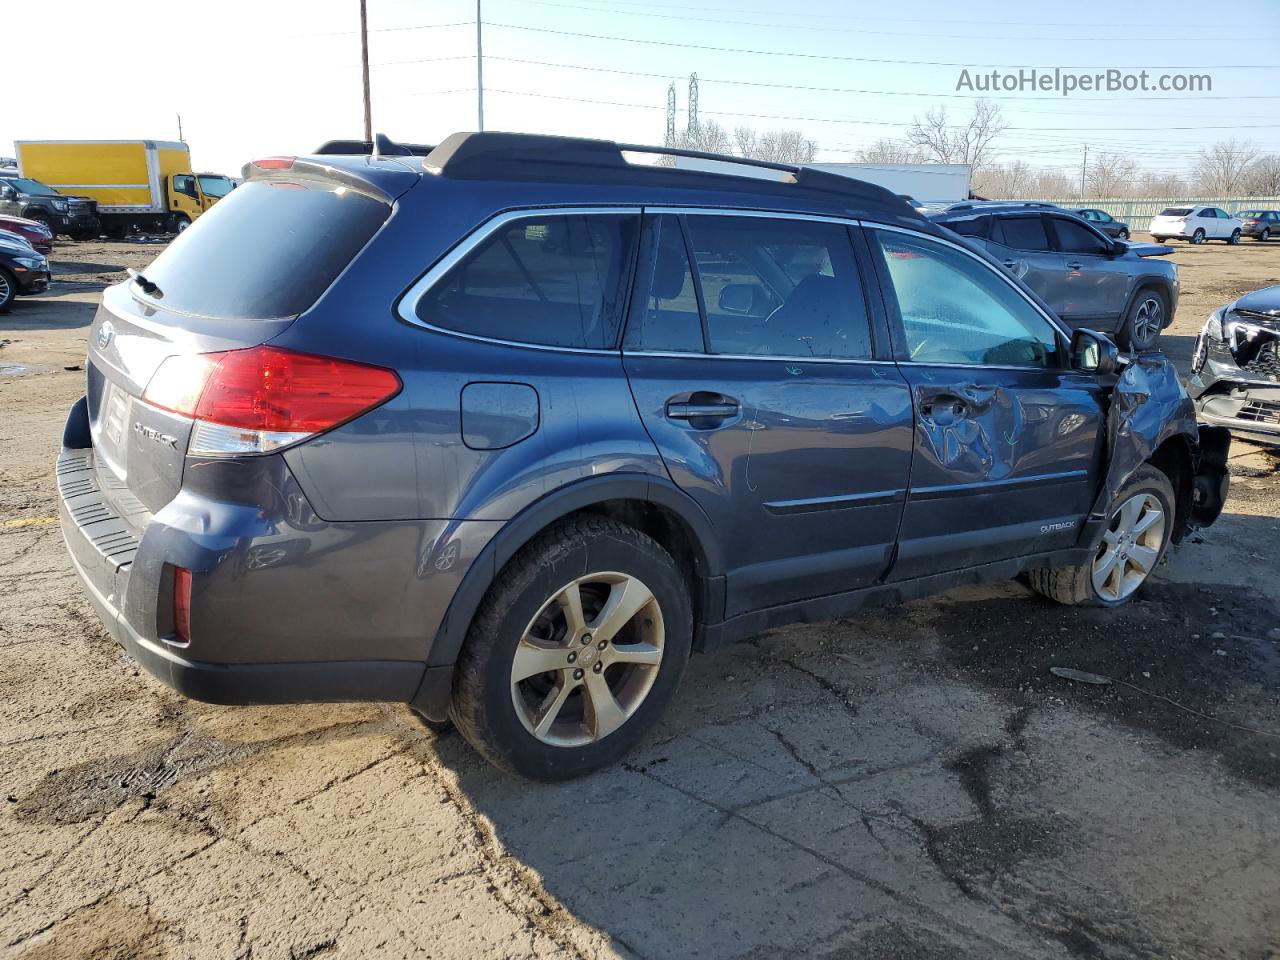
[285, 607]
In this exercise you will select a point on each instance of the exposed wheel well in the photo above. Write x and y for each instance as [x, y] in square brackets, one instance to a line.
[1173, 459]
[670, 530]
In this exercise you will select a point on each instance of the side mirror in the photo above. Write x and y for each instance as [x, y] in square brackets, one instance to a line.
[1094, 352]
[1118, 247]
[737, 297]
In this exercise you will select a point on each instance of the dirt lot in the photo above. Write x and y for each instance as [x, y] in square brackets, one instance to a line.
[911, 783]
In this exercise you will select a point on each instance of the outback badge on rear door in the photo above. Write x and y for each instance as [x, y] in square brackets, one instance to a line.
[150, 434]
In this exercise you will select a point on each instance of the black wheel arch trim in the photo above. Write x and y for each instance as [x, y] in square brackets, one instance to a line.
[433, 694]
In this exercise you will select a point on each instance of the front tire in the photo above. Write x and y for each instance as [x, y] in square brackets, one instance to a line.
[180, 222]
[8, 289]
[1139, 528]
[1234, 238]
[575, 652]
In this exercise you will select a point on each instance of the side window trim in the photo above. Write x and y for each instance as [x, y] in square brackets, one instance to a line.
[696, 275]
[406, 308]
[1064, 337]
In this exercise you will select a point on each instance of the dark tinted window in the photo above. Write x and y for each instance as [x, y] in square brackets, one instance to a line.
[664, 313]
[268, 250]
[1175, 211]
[554, 280]
[974, 227]
[33, 188]
[957, 310]
[1077, 238]
[1024, 233]
[779, 287]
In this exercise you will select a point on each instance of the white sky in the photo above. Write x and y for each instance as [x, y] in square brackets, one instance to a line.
[281, 76]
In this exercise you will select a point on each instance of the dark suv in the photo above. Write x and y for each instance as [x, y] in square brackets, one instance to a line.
[505, 432]
[1089, 279]
[23, 197]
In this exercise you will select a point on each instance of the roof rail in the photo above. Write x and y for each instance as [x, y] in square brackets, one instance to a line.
[482, 156]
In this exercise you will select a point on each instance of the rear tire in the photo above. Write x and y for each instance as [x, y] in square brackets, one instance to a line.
[1159, 239]
[1198, 236]
[1131, 549]
[575, 652]
[1122, 235]
[8, 289]
[1265, 235]
[1144, 321]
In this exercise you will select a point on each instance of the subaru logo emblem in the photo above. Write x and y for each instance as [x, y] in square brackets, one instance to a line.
[105, 333]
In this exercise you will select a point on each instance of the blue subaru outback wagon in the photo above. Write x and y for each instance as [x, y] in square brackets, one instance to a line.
[507, 428]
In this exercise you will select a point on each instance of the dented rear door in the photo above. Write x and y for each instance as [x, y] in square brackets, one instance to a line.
[1008, 439]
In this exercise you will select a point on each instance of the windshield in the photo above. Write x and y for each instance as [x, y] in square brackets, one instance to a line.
[1175, 211]
[33, 188]
[216, 186]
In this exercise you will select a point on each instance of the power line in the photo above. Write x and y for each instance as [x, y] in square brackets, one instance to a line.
[814, 56]
[648, 14]
[850, 90]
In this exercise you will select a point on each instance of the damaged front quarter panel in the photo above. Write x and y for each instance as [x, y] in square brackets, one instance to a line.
[1148, 408]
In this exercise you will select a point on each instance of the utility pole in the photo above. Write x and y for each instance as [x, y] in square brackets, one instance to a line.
[364, 66]
[179, 127]
[479, 72]
[1084, 165]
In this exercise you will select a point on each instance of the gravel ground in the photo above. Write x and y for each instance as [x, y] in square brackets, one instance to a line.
[907, 783]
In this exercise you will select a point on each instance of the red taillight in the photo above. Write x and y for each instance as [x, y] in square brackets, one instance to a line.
[275, 163]
[266, 397]
[182, 604]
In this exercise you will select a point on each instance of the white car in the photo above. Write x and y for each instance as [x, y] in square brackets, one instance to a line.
[1196, 224]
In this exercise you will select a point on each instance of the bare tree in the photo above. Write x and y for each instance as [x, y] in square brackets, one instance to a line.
[1110, 175]
[890, 151]
[1006, 181]
[1050, 184]
[746, 140]
[708, 136]
[784, 146]
[1221, 169]
[1160, 185]
[1264, 176]
[968, 142]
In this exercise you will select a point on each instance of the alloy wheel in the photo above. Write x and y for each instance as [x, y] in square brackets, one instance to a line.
[1130, 547]
[1198, 237]
[1148, 322]
[588, 659]
[5, 290]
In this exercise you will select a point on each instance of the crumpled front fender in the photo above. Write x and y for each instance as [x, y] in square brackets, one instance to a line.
[1148, 405]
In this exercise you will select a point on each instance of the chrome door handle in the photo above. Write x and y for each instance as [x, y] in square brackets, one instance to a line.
[692, 411]
[1075, 265]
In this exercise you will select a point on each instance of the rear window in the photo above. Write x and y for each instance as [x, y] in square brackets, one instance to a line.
[1175, 211]
[1251, 214]
[268, 250]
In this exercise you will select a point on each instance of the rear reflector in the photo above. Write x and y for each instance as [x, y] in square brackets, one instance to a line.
[182, 604]
[265, 398]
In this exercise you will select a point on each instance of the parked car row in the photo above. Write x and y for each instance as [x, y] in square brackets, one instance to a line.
[1199, 224]
[24, 270]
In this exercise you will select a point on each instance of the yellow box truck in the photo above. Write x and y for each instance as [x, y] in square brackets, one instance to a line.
[139, 184]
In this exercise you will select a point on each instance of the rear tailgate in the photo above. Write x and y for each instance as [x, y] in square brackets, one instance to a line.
[235, 279]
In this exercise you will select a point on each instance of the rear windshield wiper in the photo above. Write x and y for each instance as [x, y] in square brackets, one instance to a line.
[149, 288]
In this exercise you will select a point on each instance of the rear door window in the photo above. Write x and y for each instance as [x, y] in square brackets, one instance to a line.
[664, 312]
[554, 280]
[1024, 233]
[268, 250]
[784, 288]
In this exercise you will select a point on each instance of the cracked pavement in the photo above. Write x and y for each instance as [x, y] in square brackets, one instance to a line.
[908, 783]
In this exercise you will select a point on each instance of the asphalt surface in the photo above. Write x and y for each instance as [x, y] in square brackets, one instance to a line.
[907, 783]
